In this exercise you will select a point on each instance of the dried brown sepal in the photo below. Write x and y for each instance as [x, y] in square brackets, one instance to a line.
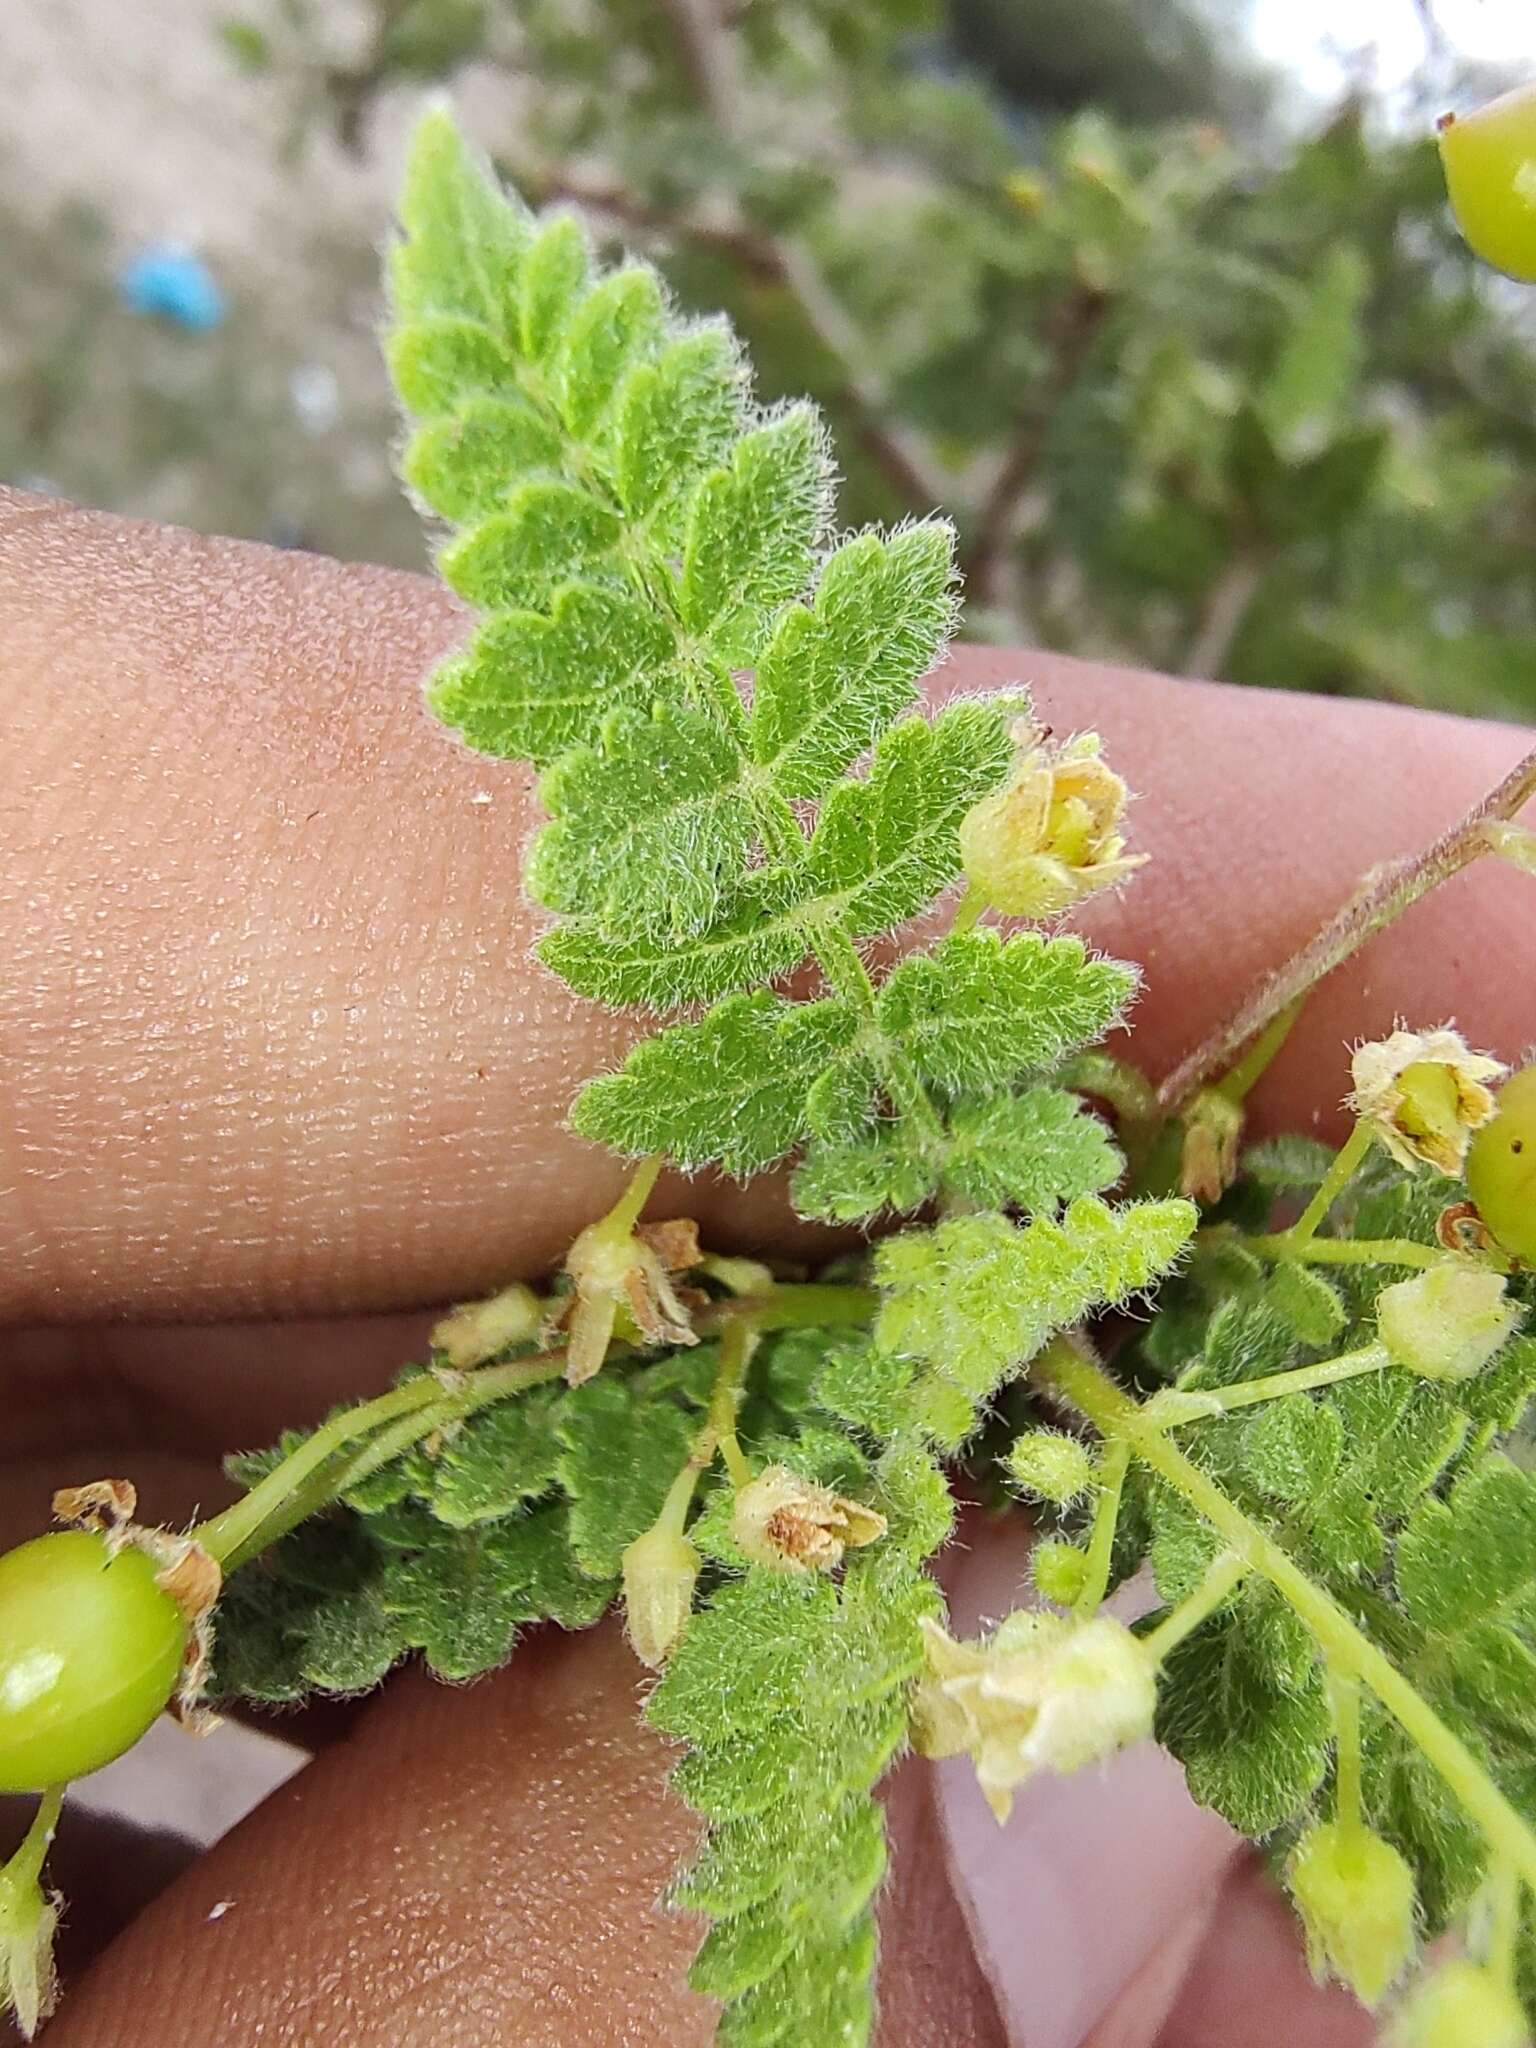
[1460, 1229]
[193, 1579]
[675, 1243]
[105, 1504]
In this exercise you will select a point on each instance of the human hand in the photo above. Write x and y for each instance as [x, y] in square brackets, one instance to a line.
[278, 1068]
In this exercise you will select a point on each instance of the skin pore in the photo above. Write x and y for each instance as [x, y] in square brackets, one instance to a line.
[279, 1074]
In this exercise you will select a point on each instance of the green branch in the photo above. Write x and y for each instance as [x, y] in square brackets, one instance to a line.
[1349, 1651]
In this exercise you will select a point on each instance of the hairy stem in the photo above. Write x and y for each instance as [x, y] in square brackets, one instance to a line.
[317, 1473]
[1347, 1162]
[846, 975]
[1223, 1576]
[1348, 1650]
[1197, 1404]
[1106, 1516]
[1383, 896]
[27, 1864]
[1344, 1696]
[1343, 1251]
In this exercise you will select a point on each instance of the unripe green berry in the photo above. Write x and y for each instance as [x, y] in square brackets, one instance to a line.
[1355, 1895]
[1053, 1466]
[1060, 1571]
[1460, 2005]
[1490, 171]
[90, 1652]
[1501, 1167]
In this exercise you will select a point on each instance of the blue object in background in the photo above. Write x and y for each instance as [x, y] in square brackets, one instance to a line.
[168, 282]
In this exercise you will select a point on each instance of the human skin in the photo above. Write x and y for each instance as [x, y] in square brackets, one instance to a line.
[277, 1072]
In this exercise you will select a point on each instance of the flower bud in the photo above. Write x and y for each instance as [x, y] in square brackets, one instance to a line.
[661, 1569]
[1045, 1693]
[1460, 2005]
[1355, 1895]
[788, 1522]
[477, 1330]
[28, 1917]
[1059, 1570]
[1054, 1466]
[1051, 836]
[1424, 1093]
[1446, 1322]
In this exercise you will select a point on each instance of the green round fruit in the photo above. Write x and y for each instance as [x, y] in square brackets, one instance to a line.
[1490, 171]
[90, 1652]
[1501, 1167]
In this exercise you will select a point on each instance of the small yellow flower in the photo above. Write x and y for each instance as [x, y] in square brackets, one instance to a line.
[1355, 1895]
[661, 1570]
[1424, 1093]
[783, 1520]
[1051, 836]
[1460, 2005]
[1447, 1322]
[1044, 1693]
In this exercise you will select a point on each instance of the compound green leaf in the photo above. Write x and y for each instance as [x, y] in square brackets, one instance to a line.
[730, 1088]
[839, 669]
[465, 464]
[620, 322]
[621, 1448]
[981, 1009]
[676, 417]
[550, 277]
[464, 238]
[650, 825]
[532, 685]
[1030, 1151]
[551, 533]
[752, 528]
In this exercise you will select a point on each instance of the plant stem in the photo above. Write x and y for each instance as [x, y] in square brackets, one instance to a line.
[625, 1213]
[1384, 894]
[846, 975]
[310, 1477]
[736, 1348]
[1347, 1648]
[1343, 1251]
[1344, 1695]
[1222, 1576]
[1239, 1081]
[307, 1474]
[1346, 1163]
[1106, 1515]
[1328, 1372]
[26, 1865]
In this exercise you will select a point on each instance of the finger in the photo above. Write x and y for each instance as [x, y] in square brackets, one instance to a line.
[107, 1868]
[1080, 1894]
[1248, 1985]
[272, 1033]
[476, 1866]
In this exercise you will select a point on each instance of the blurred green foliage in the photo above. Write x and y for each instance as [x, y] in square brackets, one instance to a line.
[1198, 396]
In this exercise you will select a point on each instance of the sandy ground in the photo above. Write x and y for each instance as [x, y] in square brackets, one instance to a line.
[135, 107]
